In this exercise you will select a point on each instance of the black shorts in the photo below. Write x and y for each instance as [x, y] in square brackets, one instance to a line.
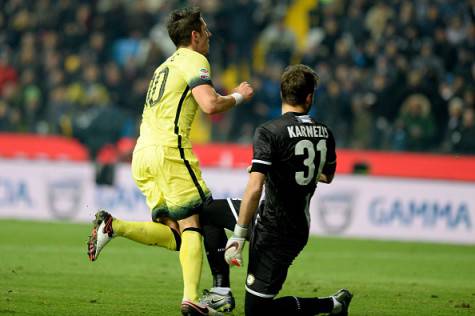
[269, 261]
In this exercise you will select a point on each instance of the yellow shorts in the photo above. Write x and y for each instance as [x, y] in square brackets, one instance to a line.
[171, 181]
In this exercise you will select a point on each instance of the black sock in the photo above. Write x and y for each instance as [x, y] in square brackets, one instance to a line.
[316, 305]
[258, 306]
[291, 305]
[214, 214]
[215, 241]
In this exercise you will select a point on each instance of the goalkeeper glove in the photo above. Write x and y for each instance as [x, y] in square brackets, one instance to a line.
[233, 252]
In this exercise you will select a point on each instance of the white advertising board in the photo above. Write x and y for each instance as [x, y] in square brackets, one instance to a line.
[352, 206]
[392, 208]
[65, 191]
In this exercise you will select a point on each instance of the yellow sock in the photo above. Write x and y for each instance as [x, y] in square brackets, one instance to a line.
[191, 259]
[148, 233]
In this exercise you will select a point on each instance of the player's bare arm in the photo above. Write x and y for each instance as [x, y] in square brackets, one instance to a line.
[251, 198]
[326, 178]
[328, 172]
[212, 102]
[323, 178]
[250, 201]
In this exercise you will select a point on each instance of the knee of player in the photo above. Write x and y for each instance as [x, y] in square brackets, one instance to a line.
[193, 229]
[176, 234]
[190, 223]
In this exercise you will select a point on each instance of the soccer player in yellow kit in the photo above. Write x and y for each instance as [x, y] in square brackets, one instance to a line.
[163, 165]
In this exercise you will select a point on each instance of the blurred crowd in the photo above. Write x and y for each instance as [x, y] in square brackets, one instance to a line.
[394, 75]
[397, 75]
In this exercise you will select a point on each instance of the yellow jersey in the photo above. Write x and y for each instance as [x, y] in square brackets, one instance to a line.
[169, 105]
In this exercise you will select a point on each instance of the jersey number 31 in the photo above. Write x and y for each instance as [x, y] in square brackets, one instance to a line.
[306, 147]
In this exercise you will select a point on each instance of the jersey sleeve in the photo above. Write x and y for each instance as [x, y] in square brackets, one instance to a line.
[198, 71]
[262, 151]
[330, 161]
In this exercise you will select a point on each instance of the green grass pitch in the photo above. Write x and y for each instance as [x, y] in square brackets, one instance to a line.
[44, 271]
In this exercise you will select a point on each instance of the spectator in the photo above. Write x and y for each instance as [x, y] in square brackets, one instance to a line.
[417, 122]
[96, 50]
[382, 111]
[91, 130]
[454, 125]
[242, 35]
[11, 95]
[456, 32]
[331, 35]
[444, 49]
[352, 24]
[377, 17]
[361, 127]
[469, 97]
[7, 72]
[278, 42]
[116, 87]
[431, 20]
[5, 123]
[332, 108]
[60, 112]
[466, 144]
[57, 58]
[427, 62]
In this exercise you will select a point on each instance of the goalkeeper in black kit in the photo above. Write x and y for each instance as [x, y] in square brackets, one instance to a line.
[291, 154]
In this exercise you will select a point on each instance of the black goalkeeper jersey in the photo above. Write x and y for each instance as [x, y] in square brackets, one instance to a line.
[292, 151]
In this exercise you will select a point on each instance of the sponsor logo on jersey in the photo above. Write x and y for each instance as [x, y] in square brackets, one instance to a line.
[204, 74]
[250, 279]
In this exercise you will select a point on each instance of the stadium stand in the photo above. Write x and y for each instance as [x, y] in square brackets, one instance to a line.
[394, 75]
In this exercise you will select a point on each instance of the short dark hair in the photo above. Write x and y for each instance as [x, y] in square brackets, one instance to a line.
[296, 83]
[181, 23]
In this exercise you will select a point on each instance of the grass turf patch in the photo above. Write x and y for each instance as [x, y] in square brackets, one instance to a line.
[44, 270]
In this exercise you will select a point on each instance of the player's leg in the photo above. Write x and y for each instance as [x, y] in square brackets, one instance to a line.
[215, 240]
[191, 257]
[215, 215]
[191, 260]
[147, 172]
[297, 306]
[148, 233]
[255, 305]
[146, 168]
[107, 227]
[261, 303]
[221, 213]
[219, 296]
[267, 272]
[185, 193]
